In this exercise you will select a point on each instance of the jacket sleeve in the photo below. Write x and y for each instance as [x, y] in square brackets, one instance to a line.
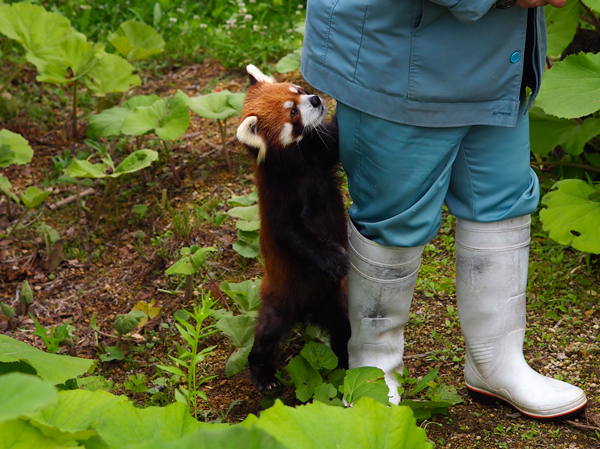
[467, 11]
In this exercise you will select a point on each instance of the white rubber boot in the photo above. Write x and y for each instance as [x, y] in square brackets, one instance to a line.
[380, 289]
[492, 260]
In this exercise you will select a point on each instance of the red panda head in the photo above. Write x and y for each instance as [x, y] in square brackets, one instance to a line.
[276, 115]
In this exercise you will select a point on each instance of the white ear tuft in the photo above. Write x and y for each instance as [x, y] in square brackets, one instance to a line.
[246, 133]
[258, 76]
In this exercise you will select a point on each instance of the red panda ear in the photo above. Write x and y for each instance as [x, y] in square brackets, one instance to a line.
[256, 76]
[248, 133]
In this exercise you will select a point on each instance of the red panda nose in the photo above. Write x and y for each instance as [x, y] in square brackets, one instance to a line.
[315, 101]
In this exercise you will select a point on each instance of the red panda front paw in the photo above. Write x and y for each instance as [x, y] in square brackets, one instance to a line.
[336, 262]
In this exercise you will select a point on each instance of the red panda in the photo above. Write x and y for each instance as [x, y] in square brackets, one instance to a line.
[303, 235]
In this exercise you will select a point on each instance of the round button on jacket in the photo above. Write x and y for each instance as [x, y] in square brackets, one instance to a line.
[515, 57]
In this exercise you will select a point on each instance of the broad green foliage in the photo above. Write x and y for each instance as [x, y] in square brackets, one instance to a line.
[55, 368]
[368, 424]
[217, 105]
[191, 260]
[136, 40]
[111, 73]
[167, 118]
[239, 329]
[38, 31]
[32, 197]
[573, 215]
[547, 132]
[126, 323]
[289, 62]
[365, 382]
[14, 149]
[594, 5]
[248, 225]
[22, 393]
[77, 57]
[572, 87]
[109, 122]
[19, 434]
[561, 26]
[136, 161]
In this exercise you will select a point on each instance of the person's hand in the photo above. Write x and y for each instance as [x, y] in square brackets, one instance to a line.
[535, 3]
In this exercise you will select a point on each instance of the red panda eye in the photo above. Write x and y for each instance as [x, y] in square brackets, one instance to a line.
[294, 112]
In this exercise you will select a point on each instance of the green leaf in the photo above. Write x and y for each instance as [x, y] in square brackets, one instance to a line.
[168, 119]
[548, 132]
[111, 73]
[246, 200]
[16, 149]
[214, 106]
[327, 394]
[190, 261]
[126, 323]
[6, 188]
[305, 377]
[444, 393]
[107, 123]
[423, 383]
[84, 169]
[26, 296]
[77, 59]
[38, 31]
[8, 311]
[22, 393]
[136, 40]
[594, 5]
[561, 26]
[140, 100]
[571, 217]
[136, 161]
[20, 434]
[249, 217]
[249, 250]
[319, 356]
[112, 353]
[571, 88]
[239, 329]
[368, 424]
[365, 382]
[236, 101]
[425, 409]
[246, 295]
[33, 197]
[289, 62]
[234, 437]
[54, 368]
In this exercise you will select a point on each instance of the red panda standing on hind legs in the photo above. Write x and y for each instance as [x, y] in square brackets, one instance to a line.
[303, 236]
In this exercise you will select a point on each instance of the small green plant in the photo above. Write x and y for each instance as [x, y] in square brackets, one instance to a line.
[193, 333]
[54, 246]
[9, 315]
[439, 396]
[123, 325]
[54, 337]
[192, 259]
[217, 106]
[25, 297]
[239, 329]
[136, 383]
[248, 224]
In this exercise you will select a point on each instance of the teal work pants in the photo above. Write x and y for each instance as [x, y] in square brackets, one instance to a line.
[399, 175]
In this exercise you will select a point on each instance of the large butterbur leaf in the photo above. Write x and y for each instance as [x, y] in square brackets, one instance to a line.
[22, 393]
[548, 132]
[216, 105]
[38, 31]
[14, 149]
[51, 367]
[366, 425]
[561, 26]
[20, 434]
[168, 119]
[111, 73]
[77, 59]
[365, 382]
[32, 197]
[136, 41]
[136, 161]
[572, 216]
[109, 122]
[240, 331]
[571, 88]
[246, 295]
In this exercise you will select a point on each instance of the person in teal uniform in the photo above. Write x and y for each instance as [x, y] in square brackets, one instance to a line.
[432, 109]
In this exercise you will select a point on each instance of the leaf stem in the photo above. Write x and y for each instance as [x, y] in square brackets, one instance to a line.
[592, 17]
[171, 162]
[12, 77]
[17, 223]
[74, 113]
[100, 206]
[223, 130]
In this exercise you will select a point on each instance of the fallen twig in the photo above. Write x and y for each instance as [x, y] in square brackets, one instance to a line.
[583, 426]
[71, 199]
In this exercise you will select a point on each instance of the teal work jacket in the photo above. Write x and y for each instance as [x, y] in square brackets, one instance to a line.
[432, 63]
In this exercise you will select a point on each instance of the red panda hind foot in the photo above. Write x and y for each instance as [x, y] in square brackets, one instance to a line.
[334, 260]
[264, 379]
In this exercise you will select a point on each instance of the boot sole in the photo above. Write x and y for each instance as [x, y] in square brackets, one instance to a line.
[486, 398]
